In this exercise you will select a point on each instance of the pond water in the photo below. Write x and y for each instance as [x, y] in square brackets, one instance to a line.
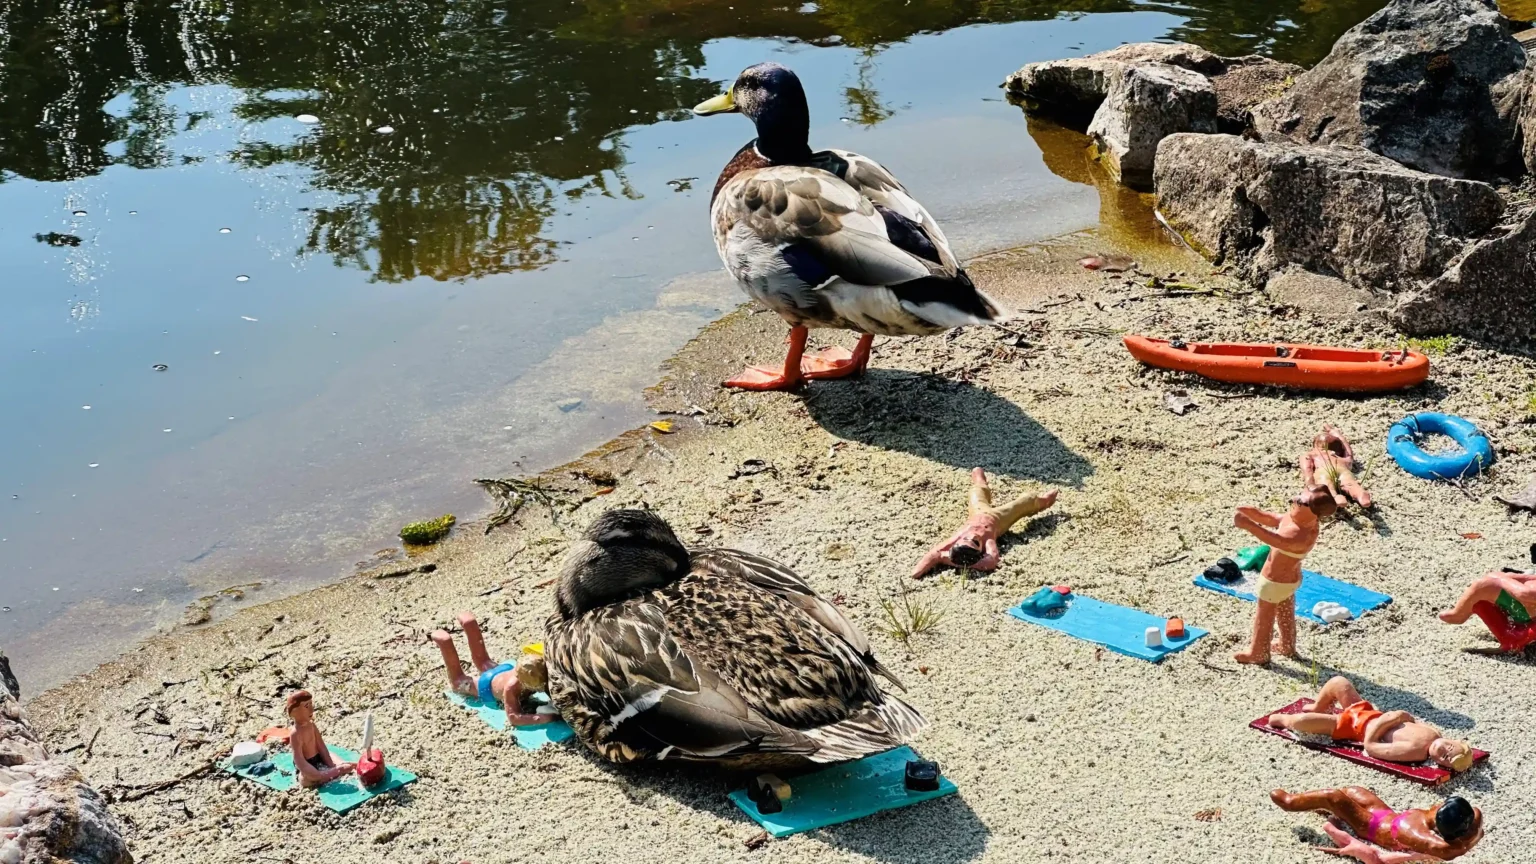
[279, 276]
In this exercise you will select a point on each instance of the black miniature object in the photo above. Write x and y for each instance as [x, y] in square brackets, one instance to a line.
[1224, 570]
[922, 776]
[763, 795]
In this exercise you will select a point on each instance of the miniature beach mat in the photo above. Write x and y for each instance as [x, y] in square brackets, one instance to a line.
[1118, 628]
[1427, 773]
[1315, 588]
[527, 737]
[843, 793]
[339, 795]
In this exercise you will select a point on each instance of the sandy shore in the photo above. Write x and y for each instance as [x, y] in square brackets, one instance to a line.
[1062, 752]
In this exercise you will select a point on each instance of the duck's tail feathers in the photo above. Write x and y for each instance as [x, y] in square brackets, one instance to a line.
[873, 730]
[949, 302]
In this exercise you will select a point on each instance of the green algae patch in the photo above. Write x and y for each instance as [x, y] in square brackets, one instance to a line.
[428, 532]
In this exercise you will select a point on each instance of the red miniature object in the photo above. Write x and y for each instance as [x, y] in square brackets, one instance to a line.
[1513, 638]
[1427, 773]
[370, 767]
[275, 735]
[1063, 590]
[975, 544]
[1175, 628]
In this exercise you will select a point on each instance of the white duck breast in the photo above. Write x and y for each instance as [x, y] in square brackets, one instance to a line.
[853, 251]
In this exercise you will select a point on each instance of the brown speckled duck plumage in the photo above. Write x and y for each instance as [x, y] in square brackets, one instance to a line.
[715, 655]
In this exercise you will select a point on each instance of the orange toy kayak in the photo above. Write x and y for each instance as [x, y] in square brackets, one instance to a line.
[1306, 367]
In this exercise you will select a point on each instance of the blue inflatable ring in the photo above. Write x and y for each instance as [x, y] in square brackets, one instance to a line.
[1403, 446]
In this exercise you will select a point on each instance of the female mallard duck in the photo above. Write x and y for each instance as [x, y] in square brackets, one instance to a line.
[828, 239]
[657, 653]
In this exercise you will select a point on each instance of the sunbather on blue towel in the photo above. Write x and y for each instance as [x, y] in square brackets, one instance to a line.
[511, 685]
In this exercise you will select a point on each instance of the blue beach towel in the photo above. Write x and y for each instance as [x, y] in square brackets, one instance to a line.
[1118, 628]
[1315, 588]
[527, 737]
[339, 795]
[843, 793]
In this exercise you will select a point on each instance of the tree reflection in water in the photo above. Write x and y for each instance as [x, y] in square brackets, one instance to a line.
[503, 113]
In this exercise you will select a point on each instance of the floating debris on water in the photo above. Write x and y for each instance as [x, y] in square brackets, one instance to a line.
[681, 184]
[242, 278]
[85, 407]
[54, 238]
[307, 118]
[80, 213]
[165, 430]
[161, 367]
[385, 130]
[94, 465]
[223, 230]
[243, 318]
[133, 212]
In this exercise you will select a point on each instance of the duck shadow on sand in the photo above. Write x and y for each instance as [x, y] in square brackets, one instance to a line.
[953, 422]
[943, 831]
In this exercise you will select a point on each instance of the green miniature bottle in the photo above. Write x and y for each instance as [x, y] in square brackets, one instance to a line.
[1252, 558]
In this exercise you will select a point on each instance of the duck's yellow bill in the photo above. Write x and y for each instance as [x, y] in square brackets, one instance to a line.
[722, 104]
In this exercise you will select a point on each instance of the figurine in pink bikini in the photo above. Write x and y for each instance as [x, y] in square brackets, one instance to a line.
[510, 685]
[1384, 836]
[1290, 538]
[975, 544]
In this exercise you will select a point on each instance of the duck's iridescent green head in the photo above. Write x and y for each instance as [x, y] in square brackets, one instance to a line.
[770, 96]
[623, 552]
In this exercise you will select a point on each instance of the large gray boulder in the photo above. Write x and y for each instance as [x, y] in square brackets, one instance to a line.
[48, 813]
[1144, 105]
[1489, 292]
[1072, 90]
[1421, 82]
[1344, 211]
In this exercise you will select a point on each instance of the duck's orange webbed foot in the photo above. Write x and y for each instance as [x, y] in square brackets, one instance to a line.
[838, 362]
[974, 546]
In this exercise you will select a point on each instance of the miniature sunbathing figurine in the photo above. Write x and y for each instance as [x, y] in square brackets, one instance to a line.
[503, 683]
[1391, 736]
[975, 544]
[1331, 464]
[1506, 602]
[1383, 836]
[311, 758]
[1290, 538]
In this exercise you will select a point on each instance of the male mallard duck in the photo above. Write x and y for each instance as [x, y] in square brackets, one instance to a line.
[828, 238]
[658, 653]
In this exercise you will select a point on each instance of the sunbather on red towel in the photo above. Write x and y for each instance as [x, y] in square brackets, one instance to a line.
[1391, 736]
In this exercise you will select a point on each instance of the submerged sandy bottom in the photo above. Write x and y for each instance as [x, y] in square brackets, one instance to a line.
[1062, 752]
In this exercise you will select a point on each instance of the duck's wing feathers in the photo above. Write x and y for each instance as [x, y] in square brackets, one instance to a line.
[774, 577]
[803, 230]
[908, 222]
[637, 692]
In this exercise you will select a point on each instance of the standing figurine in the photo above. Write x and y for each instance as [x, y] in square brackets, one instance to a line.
[312, 760]
[1290, 537]
[509, 684]
[975, 544]
[1384, 836]
[1331, 464]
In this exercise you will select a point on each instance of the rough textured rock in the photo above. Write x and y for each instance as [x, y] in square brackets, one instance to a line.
[1311, 292]
[48, 815]
[1144, 105]
[1419, 82]
[1527, 109]
[1072, 90]
[1489, 292]
[1343, 211]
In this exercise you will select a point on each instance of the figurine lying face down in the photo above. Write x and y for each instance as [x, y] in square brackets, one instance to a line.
[512, 686]
[1382, 835]
[1391, 736]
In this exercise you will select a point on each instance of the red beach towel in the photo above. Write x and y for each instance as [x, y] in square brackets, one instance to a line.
[1427, 773]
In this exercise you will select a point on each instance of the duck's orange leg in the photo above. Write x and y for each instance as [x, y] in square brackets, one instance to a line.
[768, 378]
[838, 362]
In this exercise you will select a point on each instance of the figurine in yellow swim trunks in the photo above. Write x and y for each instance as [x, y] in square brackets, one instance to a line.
[1290, 537]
